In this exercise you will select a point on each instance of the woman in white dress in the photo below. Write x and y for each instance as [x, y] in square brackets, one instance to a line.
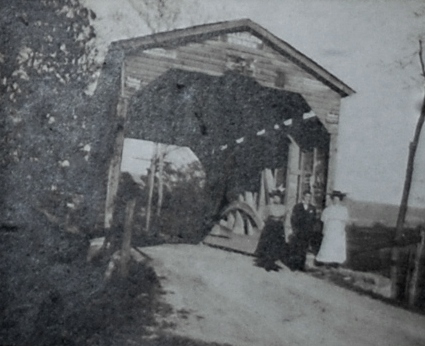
[333, 250]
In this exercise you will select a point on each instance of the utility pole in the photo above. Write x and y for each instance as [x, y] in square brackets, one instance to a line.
[397, 286]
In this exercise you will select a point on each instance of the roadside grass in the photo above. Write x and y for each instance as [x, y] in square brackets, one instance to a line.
[50, 296]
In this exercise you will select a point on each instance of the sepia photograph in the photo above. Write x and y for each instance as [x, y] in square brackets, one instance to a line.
[212, 173]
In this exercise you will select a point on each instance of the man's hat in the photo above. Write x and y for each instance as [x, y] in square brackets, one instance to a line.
[337, 193]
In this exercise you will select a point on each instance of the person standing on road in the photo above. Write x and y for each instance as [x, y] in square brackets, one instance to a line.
[335, 218]
[271, 245]
[303, 220]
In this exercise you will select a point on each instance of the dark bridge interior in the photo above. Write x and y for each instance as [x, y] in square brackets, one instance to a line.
[209, 114]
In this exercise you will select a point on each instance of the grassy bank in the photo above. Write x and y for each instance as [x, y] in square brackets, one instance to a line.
[369, 248]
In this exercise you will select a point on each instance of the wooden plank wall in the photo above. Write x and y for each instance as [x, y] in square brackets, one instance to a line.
[238, 51]
[292, 183]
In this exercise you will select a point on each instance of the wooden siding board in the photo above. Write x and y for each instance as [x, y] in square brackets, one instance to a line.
[218, 31]
[262, 66]
[276, 66]
[183, 57]
[162, 64]
[219, 51]
[148, 63]
[203, 49]
[326, 103]
[221, 46]
[220, 55]
[268, 64]
[322, 102]
[140, 69]
[137, 67]
[203, 56]
[211, 57]
[273, 57]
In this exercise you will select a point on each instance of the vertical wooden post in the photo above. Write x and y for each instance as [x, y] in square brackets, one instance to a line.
[333, 150]
[301, 176]
[417, 271]
[292, 180]
[410, 266]
[161, 154]
[151, 184]
[114, 166]
[126, 242]
[262, 200]
[314, 191]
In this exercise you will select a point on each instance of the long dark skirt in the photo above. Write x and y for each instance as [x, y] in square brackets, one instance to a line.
[271, 245]
[298, 251]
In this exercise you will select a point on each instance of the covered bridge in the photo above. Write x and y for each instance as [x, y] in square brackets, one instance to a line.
[245, 102]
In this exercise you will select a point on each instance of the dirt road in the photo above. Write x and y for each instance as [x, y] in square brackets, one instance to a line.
[218, 296]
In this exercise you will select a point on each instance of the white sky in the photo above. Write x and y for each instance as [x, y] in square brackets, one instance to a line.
[369, 44]
[137, 156]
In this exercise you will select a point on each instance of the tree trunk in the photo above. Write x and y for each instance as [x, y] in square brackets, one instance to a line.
[126, 242]
[417, 271]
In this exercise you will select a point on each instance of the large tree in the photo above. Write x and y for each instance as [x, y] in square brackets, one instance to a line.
[49, 135]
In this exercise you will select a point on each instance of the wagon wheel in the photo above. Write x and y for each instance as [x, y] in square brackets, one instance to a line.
[241, 218]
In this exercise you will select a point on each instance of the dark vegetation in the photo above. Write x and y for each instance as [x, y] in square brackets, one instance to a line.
[55, 145]
[369, 248]
[182, 216]
[50, 295]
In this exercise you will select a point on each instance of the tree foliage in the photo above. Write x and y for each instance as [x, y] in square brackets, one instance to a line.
[47, 58]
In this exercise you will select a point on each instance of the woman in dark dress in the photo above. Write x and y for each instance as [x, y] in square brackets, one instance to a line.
[271, 245]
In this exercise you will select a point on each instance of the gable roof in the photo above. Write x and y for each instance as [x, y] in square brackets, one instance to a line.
[202, 32]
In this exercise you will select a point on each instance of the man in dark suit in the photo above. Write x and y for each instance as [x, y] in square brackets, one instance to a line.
[303, 220]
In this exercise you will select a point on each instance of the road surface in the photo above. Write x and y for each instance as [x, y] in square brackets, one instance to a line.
[219, 296]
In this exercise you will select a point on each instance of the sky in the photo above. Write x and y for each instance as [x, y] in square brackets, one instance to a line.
[371, 45]
[137, 156]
